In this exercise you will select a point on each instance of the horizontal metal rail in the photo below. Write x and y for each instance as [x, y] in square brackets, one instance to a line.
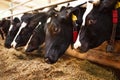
[41, 7]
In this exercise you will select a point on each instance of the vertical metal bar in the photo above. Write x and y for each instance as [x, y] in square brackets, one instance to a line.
[11, 10]
[49, 1]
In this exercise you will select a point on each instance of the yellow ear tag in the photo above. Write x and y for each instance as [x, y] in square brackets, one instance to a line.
[117, 5]
[74, 18]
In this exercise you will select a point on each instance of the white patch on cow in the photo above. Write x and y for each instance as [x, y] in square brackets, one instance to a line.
[13, 44]
[77, 43]
[38, 25]
[23, 25]
[28, 42]
[89, 8]
[11, 26]
[25, 48]
[49, 19]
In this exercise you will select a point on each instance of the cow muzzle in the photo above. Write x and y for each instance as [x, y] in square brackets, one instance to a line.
[50, 60]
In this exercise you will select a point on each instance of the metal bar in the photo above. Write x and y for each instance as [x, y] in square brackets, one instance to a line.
[11, 10]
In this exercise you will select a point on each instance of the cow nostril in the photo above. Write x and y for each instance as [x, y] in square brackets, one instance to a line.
[82, 50]
[47, 60]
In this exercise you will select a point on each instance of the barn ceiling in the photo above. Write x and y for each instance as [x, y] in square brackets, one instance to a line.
[6, 4]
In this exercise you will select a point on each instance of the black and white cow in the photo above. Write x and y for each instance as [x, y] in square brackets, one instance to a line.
[98, 27]
[14, 27]
[38, 36]
[59, 33]
[24, 20]
[59, 30]
[28, 25]
[4, 27]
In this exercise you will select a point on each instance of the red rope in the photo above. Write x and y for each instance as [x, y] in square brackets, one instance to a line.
[75, 34]
[115, 16]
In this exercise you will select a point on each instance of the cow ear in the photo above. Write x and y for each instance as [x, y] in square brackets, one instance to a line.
[16, 20]
[51, 12]
[62, 8]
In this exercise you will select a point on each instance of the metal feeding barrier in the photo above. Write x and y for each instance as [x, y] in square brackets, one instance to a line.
[12, 8]
[38, 8]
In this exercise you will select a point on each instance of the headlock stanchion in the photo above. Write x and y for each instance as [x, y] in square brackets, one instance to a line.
[41, 7]
[110, 46]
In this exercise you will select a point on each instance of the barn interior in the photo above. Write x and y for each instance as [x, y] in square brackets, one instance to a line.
[16, 65]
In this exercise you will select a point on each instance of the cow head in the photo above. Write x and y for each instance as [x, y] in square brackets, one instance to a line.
[12, 32]
[36, 39]
[23, 37]
[24, 20]
[26, 31]
[97, 28]
[38, 36]
[58, 37]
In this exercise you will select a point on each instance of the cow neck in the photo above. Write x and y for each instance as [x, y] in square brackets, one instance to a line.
[75, 29]
[75, 26]
[111, 43]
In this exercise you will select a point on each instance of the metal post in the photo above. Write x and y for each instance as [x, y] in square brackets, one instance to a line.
[11, 10]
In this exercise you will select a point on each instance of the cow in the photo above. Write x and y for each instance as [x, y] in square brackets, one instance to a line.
[36, 39]
[98, 29]
[38, 36]
[59, 33]
[4, 27]
[12, 32]
[59, 30]
[29, 23]
[24, 20]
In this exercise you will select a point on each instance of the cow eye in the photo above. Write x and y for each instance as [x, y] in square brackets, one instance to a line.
[56, 15]
[91, 21]
[56, 30]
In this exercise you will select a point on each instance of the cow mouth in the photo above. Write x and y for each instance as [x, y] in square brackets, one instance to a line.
[82, 49]
[7, 46]
[51, 58]
[49, 61]
[30, 49]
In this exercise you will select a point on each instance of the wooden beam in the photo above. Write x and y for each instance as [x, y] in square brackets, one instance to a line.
[98, 56]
